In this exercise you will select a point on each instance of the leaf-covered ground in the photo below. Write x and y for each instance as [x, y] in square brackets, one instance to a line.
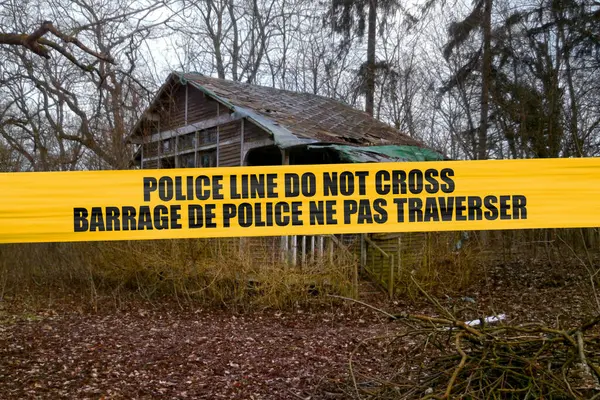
[173, 354]
[166, 352]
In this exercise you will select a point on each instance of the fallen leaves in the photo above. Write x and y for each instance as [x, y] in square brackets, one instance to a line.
[148, 352]
[178, 354]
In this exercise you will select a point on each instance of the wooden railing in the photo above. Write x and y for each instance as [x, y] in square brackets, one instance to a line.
[385, 276]
[298, 251]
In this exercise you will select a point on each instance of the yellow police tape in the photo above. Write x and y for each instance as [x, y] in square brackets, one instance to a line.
[299, 200]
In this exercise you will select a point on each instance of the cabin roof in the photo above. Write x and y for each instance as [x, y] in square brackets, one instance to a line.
[304, 119]
[299, 118]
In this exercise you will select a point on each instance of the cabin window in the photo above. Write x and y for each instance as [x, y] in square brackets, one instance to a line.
[168, 145]
[168, 162]
[187, 142]
[207, 159]
[187, 160]
[207, 136]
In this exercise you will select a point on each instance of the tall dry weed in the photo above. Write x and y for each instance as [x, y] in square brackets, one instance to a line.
[217, 272]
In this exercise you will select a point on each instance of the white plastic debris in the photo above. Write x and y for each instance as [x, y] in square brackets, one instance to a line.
[486, 320]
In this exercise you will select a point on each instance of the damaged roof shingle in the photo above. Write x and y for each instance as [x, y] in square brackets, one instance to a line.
[300, 118]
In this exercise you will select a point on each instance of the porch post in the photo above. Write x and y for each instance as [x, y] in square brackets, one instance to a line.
[285, 245]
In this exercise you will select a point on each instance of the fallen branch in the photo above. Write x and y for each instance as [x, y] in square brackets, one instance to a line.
[485, 360]
[491, 362]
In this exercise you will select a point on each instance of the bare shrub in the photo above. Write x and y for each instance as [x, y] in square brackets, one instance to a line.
[208, 271]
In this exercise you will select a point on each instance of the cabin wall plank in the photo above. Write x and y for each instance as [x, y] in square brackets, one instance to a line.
[229, 151]
[201, 107]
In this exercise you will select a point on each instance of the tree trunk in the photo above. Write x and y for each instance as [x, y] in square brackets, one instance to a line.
[486, 68]
[574, 108]
[371, 38]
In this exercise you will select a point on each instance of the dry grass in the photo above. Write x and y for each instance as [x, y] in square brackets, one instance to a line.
[442, 267]
[250, 273]
[208, 271]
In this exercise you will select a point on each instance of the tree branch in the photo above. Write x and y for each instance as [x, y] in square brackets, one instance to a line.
[36, 43]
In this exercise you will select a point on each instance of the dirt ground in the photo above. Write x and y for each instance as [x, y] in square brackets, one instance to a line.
[143, 351]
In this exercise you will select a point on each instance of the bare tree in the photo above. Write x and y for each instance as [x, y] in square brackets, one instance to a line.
[59, 114]
[38, 43]
[235, 34]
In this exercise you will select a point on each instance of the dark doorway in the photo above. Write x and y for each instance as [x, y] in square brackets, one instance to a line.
[270, 155]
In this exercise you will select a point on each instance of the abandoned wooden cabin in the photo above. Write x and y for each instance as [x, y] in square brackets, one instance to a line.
[196, 121]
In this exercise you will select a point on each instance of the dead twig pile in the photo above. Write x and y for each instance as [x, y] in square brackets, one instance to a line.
[445, 358]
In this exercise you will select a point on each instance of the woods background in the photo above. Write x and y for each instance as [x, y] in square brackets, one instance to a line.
[482, 79]
[473, 79]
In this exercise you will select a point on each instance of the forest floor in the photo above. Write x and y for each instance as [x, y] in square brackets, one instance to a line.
[143, 351]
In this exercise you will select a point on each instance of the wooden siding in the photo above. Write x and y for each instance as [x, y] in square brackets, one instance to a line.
[200, 107]
[172, 113]
[150, 150]
[173, 102]
[230, 131]
[253, 133]
[229, 155]
[230, 144]
[188, 149]
[151, 164]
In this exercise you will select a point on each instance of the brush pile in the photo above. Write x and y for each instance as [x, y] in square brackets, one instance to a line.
[441, 358]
